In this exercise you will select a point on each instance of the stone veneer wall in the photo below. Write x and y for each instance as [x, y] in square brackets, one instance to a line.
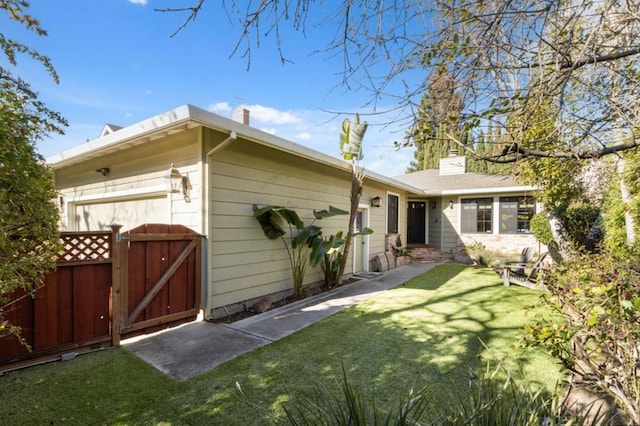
[390, 242]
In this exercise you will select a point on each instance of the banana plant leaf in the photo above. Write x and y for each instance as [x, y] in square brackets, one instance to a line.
[321, 247]
[363, 231]
[306, 236]
[351, 139]
[333, 211]
[269, 216]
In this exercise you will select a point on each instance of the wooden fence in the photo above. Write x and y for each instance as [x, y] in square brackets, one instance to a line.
[106, 285]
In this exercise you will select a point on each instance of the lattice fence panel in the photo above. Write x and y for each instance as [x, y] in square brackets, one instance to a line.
[85, 247]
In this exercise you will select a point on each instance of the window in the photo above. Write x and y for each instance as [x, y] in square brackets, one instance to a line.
[392, 214]
[357, 225]
[516, 214]
[476, 215]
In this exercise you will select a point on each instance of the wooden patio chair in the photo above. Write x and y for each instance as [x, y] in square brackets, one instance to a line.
[524, 274]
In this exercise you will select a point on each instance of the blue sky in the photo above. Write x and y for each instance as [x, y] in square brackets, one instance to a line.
[118, 64]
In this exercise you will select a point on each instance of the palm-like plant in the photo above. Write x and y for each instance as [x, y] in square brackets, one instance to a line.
[300, 242]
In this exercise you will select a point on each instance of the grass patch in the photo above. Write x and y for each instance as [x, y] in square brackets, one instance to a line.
[427, 332]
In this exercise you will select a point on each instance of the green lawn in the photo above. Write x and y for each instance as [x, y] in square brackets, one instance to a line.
[427, 332]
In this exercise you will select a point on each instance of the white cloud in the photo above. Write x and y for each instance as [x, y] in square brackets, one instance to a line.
[219, 108]
[271, 130]
[319, 130]
[142, 2]
[267, 115]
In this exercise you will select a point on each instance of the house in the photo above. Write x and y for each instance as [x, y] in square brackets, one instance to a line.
[458, 208]
[191, 167]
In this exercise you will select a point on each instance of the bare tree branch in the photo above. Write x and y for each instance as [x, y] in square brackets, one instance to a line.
[193, 13]
[507, 57]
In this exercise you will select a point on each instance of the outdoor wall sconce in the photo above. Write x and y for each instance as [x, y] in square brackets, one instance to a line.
[104, 171]
[176, 183]
[433, 205]
[451, 204]
[376, 202]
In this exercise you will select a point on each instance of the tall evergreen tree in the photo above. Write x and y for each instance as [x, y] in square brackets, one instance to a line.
[439, 114]
[488, 145]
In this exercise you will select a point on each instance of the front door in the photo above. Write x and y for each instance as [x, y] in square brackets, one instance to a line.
[416, 222]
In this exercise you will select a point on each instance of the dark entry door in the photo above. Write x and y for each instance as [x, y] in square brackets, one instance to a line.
[416, 222]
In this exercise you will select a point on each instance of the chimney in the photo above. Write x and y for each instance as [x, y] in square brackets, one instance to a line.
[453, 164]
[245, 116]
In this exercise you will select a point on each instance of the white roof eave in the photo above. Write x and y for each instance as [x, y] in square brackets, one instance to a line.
[187, 115]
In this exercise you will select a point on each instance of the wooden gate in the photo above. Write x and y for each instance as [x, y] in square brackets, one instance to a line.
[107, 285]
[163, 280]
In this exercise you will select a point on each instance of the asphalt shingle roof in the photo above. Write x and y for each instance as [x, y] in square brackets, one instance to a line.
[433, 183]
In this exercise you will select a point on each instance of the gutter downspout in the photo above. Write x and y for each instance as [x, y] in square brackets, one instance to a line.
[222, 145]
[207, 196]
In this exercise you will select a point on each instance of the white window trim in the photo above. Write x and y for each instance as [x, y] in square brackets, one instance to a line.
[386, 211]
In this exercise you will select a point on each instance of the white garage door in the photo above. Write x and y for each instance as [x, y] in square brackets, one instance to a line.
[128, 213]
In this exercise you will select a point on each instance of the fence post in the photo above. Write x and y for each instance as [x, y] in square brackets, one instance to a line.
[118, 252]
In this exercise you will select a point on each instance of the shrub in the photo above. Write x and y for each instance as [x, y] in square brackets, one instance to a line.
[597, 334]
[578, 219]
[480, 254]
[541, 228]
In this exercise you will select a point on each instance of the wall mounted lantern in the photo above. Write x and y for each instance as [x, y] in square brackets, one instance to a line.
[451, 204]
[376, 202]
[104, 171]
[175, 181]
[433, 205]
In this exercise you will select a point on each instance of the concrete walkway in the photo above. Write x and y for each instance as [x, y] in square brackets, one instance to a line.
[194, 348]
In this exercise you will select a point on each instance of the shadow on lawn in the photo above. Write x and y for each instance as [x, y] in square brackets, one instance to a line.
[427, 332]
[424, 333]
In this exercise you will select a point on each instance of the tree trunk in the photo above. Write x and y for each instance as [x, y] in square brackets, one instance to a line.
[561, 250]
[629, 221]
[357, 178]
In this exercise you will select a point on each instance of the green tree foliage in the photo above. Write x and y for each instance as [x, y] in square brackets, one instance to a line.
[488, 145]
[29, 239]
[439, 129]
[439, 114]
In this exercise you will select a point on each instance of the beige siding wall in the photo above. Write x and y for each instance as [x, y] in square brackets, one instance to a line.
[435, 221]
[135, 181]
[450, 224]
[244, 264]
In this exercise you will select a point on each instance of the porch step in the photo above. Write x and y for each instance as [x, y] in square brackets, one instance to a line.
[428, 253]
